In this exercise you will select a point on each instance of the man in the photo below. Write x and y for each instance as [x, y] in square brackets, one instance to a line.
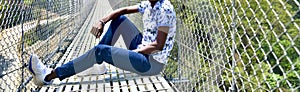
[145, 54]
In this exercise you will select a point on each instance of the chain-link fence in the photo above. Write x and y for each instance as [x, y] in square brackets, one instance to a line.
[236, 45]
[45, 27]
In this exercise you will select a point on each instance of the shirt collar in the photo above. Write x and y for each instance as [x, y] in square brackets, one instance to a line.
[158, 5]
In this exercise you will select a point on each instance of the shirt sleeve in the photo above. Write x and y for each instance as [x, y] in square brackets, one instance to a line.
[142, 6]
[166, 18]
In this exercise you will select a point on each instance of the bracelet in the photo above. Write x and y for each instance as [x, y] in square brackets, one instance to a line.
[102, 22]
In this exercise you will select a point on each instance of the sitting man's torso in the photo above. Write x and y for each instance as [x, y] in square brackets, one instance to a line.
[162, 14]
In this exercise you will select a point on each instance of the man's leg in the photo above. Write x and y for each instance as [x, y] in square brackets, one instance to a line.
[121, 58]
[122, 26]
[77, 65]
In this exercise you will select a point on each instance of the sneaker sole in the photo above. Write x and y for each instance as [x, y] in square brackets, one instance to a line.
[30, 65]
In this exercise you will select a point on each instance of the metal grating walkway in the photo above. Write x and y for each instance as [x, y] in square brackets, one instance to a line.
[115, 80]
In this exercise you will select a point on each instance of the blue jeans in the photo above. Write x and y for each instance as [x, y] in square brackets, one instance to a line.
[122, 58]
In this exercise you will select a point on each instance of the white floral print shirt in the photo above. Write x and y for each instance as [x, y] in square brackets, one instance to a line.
[162, 14]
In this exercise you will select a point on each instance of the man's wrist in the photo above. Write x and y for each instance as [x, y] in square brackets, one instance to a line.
[102, 22]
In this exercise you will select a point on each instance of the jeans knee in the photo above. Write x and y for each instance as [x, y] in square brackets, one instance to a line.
[122, 18]
[119, 20]
[101, 51]
[102, 47]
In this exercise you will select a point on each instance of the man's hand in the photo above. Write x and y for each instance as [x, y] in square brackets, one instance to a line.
[97, 29]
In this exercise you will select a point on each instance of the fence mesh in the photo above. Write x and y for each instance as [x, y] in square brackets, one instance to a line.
[236, 45]
[45, 27]
[221, 45]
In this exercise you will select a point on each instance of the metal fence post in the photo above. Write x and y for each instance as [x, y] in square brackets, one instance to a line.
[233, 25]
[178, 57]
[22, 40]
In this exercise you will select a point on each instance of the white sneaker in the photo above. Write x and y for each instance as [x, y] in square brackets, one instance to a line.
[38, 70]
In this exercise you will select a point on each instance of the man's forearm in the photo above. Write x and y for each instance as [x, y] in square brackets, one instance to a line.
[113, 15]
[118, 12]
[149, 49]
[157, 45]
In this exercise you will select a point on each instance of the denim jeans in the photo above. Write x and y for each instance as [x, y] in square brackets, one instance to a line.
[125, 59]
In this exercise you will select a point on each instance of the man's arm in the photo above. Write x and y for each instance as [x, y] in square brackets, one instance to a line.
[157, 45]
[121, 11]
[98, 28]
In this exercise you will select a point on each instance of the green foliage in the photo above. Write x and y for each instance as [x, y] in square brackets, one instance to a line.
[273, 78]
[172, 67]
[267, 40]
[269, 37]
[28, 2]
